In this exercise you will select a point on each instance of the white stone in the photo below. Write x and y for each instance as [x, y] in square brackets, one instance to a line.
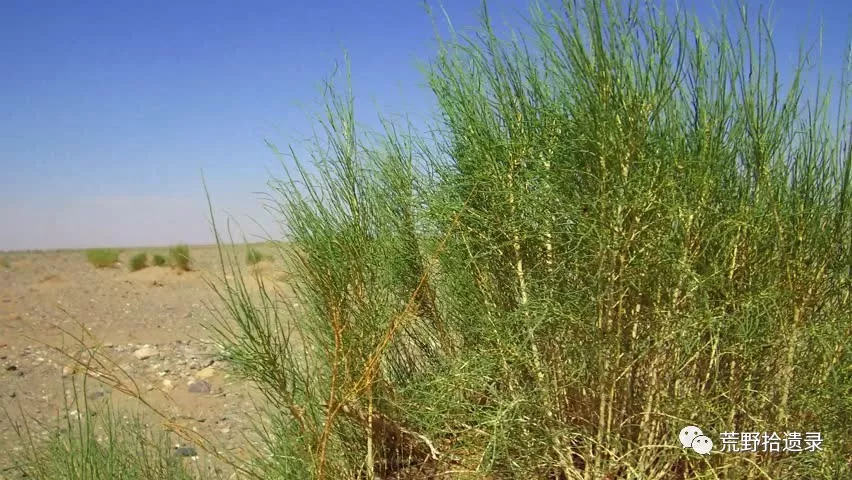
[145, 352]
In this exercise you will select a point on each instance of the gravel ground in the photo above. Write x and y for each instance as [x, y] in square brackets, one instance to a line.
[149, 324]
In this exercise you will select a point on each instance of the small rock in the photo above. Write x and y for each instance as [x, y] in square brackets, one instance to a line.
[11, 368]
[199, 386]
[205, 373]
[97, 394]
[167, 385]
[145, 352]
[68, 370]
[185, 452]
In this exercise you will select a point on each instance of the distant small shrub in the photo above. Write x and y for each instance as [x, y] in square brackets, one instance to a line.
[139, 261]
[180, 258]
[5, 263]
[159, 260]
[102, 257]
[253, 256]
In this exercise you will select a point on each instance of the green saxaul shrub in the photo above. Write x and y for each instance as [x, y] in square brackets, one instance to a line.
[159, 260]
[625, 226]
[180, 258]
[98, 442]
[138, 262]
[102, 257]
[253, 256]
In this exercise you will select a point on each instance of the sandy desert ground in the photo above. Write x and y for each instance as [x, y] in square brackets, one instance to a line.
[47, 298]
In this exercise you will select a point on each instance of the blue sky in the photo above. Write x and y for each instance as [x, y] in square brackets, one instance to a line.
[109, 110]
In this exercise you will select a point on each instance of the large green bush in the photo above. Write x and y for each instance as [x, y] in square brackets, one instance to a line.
[627, 225]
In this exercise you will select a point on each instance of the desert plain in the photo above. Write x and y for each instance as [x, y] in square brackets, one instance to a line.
[137, 339]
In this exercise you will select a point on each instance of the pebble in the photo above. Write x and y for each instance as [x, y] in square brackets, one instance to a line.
[68, 370]
[185, 452]
[205, 373]
[167, 385]
[97, 394]
[199, 386]
[145, 352]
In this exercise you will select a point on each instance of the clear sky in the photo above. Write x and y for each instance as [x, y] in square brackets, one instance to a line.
[109, 110]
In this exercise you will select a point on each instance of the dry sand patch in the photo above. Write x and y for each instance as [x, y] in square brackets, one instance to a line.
[49, 298]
